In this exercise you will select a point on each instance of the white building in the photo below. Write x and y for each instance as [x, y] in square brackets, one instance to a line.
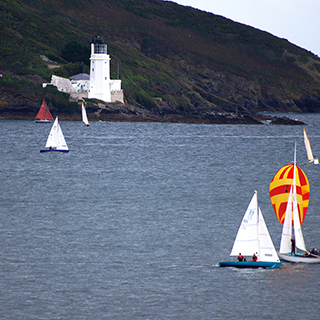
[98, 84]
[81, 82]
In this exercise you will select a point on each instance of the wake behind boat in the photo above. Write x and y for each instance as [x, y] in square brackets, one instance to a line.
[289, 244]
[253, 238]
[44, 115]
[308, 148]
[56, 141]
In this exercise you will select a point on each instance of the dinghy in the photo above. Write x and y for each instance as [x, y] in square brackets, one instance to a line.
[44, 115]
[253, 238]
[308, 148]
[289, 244]
[56, 141]
[84, 116]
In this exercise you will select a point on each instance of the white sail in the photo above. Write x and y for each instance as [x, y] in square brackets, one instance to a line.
[56, 139]
[253, 235]
[285, 243]
[308, 148]
[62, 145]
[84, 116]
[267, 249]
[296, 220]
[292, 215]
[247, 239]
[53, 135]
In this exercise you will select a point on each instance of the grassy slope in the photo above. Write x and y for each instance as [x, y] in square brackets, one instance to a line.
[193, 60]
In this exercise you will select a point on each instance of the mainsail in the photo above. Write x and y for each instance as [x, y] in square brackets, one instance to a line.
[247, 239]
[296, 219]
[56, 139]
[292, 218]
[44, 112]
[308, 148]
[253, 235]
[285, 243]
[84, 116]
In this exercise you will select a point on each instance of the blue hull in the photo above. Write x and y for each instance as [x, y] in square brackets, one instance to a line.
[48, 150]
[251, 264]
[43, 121]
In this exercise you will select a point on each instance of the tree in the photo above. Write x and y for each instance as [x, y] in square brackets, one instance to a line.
[75, 51]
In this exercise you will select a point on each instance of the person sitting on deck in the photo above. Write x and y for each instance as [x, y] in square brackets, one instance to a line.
[240, 257]
[315, 252]
[254, 257]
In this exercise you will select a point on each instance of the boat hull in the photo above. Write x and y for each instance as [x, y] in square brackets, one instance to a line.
[43, 121]
[298, 258]
[251, 264]
[59, 151]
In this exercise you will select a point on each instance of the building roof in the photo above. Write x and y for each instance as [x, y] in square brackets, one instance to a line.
[80, 76]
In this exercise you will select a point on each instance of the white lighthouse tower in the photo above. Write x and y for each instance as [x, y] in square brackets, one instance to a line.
[101, 86]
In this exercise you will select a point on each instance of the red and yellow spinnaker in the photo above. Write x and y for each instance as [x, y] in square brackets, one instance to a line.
[280, 188]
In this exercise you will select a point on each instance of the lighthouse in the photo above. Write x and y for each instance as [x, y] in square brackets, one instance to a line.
[98, 84]
[101, 86]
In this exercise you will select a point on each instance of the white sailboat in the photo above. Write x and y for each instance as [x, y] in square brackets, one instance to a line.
[84, 116]
[253, 238]
[287, 251]
[308, 148]
[56, 141]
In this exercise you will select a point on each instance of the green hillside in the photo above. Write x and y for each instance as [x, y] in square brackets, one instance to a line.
[173, 61]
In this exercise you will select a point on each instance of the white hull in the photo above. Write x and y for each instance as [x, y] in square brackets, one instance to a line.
[298, 258]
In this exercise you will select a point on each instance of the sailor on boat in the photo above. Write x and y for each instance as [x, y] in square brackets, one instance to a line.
[314, 253]
[254, 257]
[240, 257]
[293, 246]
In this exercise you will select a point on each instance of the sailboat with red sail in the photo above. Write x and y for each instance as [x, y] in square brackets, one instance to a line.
[44, 115]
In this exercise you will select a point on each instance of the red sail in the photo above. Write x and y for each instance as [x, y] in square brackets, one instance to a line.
[44, 112]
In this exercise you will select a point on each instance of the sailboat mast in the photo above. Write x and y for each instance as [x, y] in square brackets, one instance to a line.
[296, 219]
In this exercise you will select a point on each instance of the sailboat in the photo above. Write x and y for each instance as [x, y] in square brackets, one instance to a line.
[253, 238]
[44, 115]
[56, 141]
[308, 148]
[84, 116]
[287, 251]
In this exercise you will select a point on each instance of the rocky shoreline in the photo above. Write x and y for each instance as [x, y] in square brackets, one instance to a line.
[118, 112]
[195, 119]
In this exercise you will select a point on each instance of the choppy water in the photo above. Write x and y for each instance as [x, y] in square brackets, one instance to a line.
[131, 223]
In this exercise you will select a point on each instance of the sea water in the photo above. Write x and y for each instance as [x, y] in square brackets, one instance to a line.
[133, 221]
